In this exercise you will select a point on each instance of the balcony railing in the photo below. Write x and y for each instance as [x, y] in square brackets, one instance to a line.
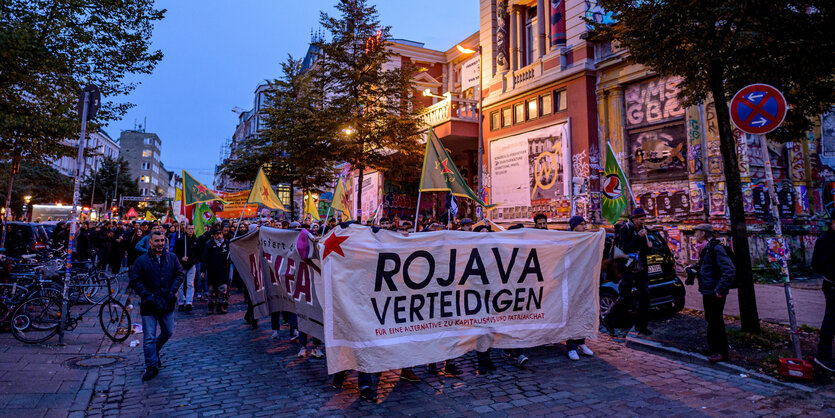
[450, 109]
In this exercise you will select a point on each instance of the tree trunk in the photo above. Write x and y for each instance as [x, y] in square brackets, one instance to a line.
[359, 194]
[733, 187]
[8, 205]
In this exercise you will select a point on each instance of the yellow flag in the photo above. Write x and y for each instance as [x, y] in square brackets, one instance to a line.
[178, 194]
[311, 206]
[263, 193]
[340, 200]
[149, 216]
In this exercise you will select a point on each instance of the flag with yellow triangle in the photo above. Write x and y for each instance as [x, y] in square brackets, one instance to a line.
[263, 193]
[196, 192]
[311, 206]
[149, 216]
[340, 200]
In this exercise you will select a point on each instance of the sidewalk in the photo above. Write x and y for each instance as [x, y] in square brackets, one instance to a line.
[809, 303]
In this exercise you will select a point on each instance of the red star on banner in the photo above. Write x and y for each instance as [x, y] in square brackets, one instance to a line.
[202, 189]
[333, 245]
[445, 169]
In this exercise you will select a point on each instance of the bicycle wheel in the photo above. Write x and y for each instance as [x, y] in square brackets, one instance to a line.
[115, 320]
[95, 288]
[36, 320]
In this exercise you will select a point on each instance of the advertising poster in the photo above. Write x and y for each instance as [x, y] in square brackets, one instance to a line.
[828, 198]
[761, 203]
[786, 198]
[697, 197]
[658, 154]
[530, 170]
[647, 201]
[680, 203]
[663, 205]
[747, 198]
[674, 240]
[717, 202]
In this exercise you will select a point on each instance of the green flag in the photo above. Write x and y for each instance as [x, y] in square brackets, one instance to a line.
[615, 187]
[196, 192]
[441, 175]
[203, 218]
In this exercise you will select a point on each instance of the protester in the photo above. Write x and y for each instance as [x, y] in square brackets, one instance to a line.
[186, 250]
[144, 245]
[156, 278]
[577, 223]
[631, 237]
[133, 253]
[716, 273]
[824, 263]
[215, 269]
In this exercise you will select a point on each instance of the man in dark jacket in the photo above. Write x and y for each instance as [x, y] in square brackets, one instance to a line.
[215, 269]
[632, 239]
[186, 250]
[824, 263]
[716, 274]
[155, 277]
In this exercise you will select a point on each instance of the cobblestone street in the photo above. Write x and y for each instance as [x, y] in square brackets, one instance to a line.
[217, 365]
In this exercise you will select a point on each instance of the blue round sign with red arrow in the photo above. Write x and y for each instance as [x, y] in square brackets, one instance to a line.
[758, 109]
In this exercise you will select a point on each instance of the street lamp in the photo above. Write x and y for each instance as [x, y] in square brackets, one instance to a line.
[26, 200]
[464, 50]
[348, 131]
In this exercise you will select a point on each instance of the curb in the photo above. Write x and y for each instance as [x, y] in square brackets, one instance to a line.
[695, 358]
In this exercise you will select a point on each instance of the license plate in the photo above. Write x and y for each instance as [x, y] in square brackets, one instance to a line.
[654, 268]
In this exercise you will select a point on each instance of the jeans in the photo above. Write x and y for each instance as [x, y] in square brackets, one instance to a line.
[573, 345]
[827, 332]
[201, 281]
[151, 343]
[186, 293]
[717, 340]
[275, 321]
[621, 308]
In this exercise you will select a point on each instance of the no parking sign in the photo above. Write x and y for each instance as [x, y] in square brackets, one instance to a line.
[758, 109]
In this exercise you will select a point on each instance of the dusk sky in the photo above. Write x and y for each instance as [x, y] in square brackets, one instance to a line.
[217, 52]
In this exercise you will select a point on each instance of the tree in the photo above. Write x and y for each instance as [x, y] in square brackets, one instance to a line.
[375, 102]
[106, 182]
[44, 183]
[720, 46]
[298, 145]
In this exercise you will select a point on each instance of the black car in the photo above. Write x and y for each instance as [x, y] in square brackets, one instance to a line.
[25, 238]
[666, 291]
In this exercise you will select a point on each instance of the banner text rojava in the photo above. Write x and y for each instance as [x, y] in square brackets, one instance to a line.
[393, 301]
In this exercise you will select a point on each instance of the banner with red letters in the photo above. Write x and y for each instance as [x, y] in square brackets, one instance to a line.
[394, 301]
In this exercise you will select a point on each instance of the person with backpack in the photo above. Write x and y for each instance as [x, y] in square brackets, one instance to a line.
[716, 273]
[824, 264]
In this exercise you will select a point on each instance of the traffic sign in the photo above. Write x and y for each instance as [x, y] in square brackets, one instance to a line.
[758, 109]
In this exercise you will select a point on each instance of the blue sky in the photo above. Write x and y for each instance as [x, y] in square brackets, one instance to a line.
[217, 51]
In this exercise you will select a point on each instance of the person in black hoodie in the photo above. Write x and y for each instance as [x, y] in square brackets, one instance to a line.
[155, 277]
[632, 239]
[186, 250]
[716, 273]
[201, 287]
[824, 264]
[215, 268]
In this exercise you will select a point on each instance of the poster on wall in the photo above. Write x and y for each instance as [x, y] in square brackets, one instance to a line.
[762, 203]
[694, 141]
[469, 74]
[828, 134]
[658, 154]
[663, 205]
[680, 203]
[747, 198]
[717, 202]
[647, 201]
[801, 201]
[786, 198]
[674, 240]
[697, 197]
[529, 173]
[828, 198]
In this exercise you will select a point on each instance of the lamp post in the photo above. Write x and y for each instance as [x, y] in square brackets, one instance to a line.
[26, 200]
[480, 116]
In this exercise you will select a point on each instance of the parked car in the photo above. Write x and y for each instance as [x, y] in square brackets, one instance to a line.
[666, 291]
[25, 238]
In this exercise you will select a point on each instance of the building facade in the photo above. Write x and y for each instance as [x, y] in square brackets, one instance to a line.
[99, 142]
[142, 152]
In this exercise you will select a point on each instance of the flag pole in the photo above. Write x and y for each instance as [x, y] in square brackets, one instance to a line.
[417, 210]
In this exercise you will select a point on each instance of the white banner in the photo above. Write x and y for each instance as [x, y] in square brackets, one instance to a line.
[530, 173]
[469, 74]
[370, 193]
[394, 301]
[278, 278]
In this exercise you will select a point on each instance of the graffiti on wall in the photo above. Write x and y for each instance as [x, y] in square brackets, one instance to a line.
[580, 165]
[658, 154]
[694, 141]
[597, 14]
[828, 134]
[653, 101]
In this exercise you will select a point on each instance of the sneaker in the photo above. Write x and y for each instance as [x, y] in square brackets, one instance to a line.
[189, 307]
[643, 331]
[585, 350]
[338, 380]
[825, 364]
[302, 352]
[199, 297]
[274, 335]
[572, 354]
[295, 335]
[409, 376]
[150, 373]
[317, 352]
[521, 360]
[368, 395]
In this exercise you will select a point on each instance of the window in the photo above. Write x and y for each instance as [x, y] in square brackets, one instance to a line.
[518, 113]
[156, 155]
[527, 47]
[154, 181]
[143, 192]
[147, 141]
[156, 168]
[495, 120]
[545, 104]
[562, 102]
[145, 179]
[507, 117]
[532, 111]
[146, 166]
[146, 153]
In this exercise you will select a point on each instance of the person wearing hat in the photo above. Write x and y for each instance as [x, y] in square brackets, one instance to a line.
[716, 273]
[466, 225]
[824, 264]
[215, 269]
[632, 239]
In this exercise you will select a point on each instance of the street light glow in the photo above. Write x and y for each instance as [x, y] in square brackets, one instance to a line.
[27, 199]
[465, 50]
[427, 92]
[348, 131]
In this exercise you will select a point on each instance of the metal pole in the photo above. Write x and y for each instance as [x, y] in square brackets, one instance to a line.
[79, 168]
[8, 201]
[778, 232]
[417, 210]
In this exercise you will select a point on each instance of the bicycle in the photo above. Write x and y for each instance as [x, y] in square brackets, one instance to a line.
[37, 319]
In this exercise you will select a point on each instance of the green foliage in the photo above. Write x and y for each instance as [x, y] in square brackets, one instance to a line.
[49, 50]
[45, 184]
[105, 179]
